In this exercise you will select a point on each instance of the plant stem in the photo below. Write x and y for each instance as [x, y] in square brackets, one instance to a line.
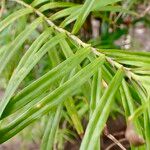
[77, 40]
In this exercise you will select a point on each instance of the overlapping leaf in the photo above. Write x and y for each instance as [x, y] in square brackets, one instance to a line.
[50, 101]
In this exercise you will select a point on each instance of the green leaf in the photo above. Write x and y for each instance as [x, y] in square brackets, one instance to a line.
[127, 57]
[4, 50]
[86, 9]
[116, 9]
[54, 58]
[51, 129]
[131, 106]
[74, 115]
[124, 103]
[139, 111]
[99, 4]
[128, 97]
[100, 114]
[73, 64]
[96, 90]
[50, 101]
[68, 52]
[53, 5]
[16, 44]
[42, 84]
[47, 131]
[11, 18]
[124, 53]
[31, 62]
[38, 2]
[66, 48]
[71, 18]
[64, 12]
[33, 49]
[144, 100]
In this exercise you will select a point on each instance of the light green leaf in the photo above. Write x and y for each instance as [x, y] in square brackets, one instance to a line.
[51, 129]
[16, 44]
[42, 84]
[86, 9]
[50, 101]
[64, 12]
[100, 114]
[71, 18]
[53, 5]
[38, 2]
[116, 9]
[96, 90]
[47, 130]
[99, 4]
[11, 18]
[74, 115]
[31, 62]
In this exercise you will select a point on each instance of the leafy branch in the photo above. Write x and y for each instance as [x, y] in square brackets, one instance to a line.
[83, 82]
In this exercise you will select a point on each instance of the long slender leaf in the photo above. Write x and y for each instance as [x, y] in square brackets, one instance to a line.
[50, 131]
[83, 15]
[64, 12]
[25, 70]
[71, 18]
[53, 5]
[96, 90]
[50, 101]
[13, 17]
[98, 4]
[47, 130]
[74, 115]
[17, 43]
[100, 115]
[42, 84]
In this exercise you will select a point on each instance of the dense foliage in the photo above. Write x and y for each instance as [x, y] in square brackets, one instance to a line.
[65, 82]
